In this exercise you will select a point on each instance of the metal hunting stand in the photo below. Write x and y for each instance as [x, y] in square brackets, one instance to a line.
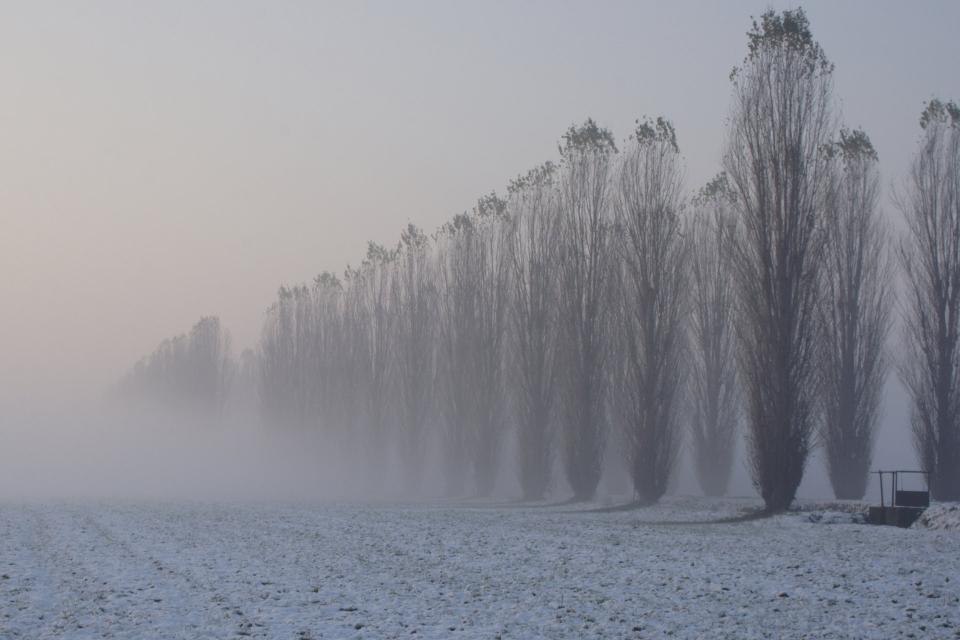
[905, 505]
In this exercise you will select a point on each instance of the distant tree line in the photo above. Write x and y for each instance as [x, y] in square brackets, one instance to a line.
[597, 304]
[191, 373]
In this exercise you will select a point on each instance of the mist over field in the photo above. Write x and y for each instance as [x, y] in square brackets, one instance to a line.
[91, 453]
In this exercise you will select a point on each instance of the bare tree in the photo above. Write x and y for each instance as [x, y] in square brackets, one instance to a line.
[778, 163]
[368, 338]
[457, 376]
[855, 313]
[930, 255]
[327, 368]
[653, 252]
[301, 357]
[493, 270]
[714, 396]
[474, 274]
[284, 354]
[210, 365]
[414, 302]
[586, 280]
[534, 258]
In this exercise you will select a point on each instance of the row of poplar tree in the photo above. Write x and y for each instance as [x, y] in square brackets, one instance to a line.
[595, 300]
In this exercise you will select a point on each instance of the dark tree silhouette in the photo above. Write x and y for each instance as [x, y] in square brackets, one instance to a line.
[855, 313]
[586, 279]
[652, 302]
[474, 282]
[715, 400]
[930, 255]
[777, 160]
[534, 258]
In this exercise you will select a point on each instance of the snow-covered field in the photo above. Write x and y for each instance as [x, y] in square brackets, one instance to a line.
[269, 571]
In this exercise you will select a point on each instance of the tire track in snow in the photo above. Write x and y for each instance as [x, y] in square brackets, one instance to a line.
[98, 584]
[28, 591]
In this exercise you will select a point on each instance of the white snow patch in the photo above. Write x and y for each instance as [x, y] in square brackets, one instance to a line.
[193, 571]
[942, 516]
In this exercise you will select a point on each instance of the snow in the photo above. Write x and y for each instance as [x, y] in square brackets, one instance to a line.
[836, 517]
[944, 516]
[484, 571]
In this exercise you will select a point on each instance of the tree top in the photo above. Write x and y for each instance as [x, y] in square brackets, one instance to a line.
[853, 145]
[650, 131]
[717, 189]
[588, 137]
[788, 31]
[540, 176]
[938, 111]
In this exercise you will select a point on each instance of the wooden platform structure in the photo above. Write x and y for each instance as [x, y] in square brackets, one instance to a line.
[905, 506]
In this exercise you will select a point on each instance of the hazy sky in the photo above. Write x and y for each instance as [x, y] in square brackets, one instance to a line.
[160, 161]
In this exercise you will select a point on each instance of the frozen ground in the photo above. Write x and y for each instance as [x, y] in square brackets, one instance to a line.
[940, 516]
[229, 571]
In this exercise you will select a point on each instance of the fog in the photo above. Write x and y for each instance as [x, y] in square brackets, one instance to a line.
[94, 454]
[170, 162]
[90, 457]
